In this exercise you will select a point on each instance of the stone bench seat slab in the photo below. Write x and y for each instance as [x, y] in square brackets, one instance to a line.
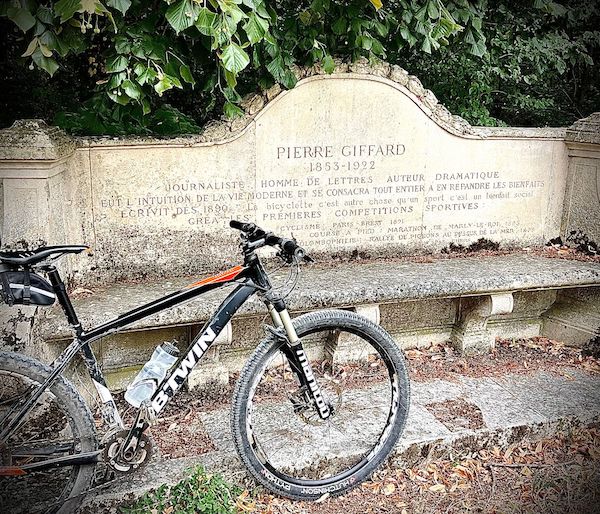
[347, 285]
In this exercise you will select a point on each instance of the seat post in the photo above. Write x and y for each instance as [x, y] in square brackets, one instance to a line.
[63, 299]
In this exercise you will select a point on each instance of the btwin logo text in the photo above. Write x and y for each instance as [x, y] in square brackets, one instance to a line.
[183, 370]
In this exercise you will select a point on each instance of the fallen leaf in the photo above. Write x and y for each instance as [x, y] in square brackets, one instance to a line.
[389, 488]
[438, 488]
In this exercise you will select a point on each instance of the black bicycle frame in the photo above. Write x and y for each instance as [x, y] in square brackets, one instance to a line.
[250, 279]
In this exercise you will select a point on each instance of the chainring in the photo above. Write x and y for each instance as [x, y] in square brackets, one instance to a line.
[113, 456]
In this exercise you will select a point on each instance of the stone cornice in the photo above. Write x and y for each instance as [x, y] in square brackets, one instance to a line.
[223, 130]
[586, 130]
[34, 140]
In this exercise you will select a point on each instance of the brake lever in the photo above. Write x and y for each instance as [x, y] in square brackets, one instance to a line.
[301, 255]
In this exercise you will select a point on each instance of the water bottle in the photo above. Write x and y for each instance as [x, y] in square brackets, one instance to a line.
[153, 372]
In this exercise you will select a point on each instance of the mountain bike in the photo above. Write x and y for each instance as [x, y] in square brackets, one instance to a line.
[317, 408]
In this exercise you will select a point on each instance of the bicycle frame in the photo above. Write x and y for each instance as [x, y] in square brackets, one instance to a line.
[251, 278]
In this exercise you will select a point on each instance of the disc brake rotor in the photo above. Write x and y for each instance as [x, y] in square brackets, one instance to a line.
[332, 391]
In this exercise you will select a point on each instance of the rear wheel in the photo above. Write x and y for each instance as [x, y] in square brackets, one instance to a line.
[59, 425]
[278, 433]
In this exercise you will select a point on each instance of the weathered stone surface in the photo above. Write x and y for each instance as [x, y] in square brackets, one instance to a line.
[586, 130]
[575, 317]
[313, 162]
[36, 192]
[514, 408]
[34, 140]
[582, 198]
[398, 74]
[348, 285]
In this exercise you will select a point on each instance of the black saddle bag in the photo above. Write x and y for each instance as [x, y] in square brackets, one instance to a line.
[25, 288]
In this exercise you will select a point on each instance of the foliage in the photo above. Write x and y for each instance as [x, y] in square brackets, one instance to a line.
[119, 65]
[138, 50]
[200, 492]
[538, 68]
[98, 117]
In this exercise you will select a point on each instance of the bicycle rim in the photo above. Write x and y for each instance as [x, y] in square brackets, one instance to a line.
[357, 378]
[48, 431]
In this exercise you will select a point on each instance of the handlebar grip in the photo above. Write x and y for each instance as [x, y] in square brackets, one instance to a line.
[289, 246]
[244, 227]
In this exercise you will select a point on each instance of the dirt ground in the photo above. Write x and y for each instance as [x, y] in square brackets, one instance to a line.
[553, 475]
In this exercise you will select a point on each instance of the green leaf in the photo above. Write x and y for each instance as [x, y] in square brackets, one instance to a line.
[45, 50]
[289, 79]
[186, 74]
[116, 64]
[66, 9]
[119, 97]
[119, 5]
[256, 28]
[206, 21]
[366, 42]
[145, 106]
[432, 9]
[234, 14]
[377, 49]
[116, 79]
[45, 15]
[305, 17]
[146, 76]
[132, 90]
[163, 85]
[231, 95]
[328, 64]
[231, 79]
[275, 68]
[31, 47]
[48, 64]
[234, 58]
[232, 110]
[426, 46]
[182, 15]
[49, 39]
[478, 49]
[340, 26]
[122, 45]
[21, 17]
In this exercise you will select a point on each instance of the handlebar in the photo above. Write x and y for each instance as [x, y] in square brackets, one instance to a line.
[257, 237]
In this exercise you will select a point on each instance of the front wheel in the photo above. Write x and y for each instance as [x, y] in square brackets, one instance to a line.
[278, 433]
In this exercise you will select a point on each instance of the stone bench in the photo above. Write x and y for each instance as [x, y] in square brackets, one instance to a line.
[468, 301]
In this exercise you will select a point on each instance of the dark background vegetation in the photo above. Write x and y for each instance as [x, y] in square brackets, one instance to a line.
[523, 63]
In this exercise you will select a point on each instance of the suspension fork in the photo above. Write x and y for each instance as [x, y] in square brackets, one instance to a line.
[294, 351]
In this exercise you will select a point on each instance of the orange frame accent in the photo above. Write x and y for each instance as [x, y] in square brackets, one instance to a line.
[225, 276]
[12, 471]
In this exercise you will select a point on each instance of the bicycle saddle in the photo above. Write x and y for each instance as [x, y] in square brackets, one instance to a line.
[31, 257]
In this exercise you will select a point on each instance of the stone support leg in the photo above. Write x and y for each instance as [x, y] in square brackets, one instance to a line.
[470, 334]
[345, 347]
